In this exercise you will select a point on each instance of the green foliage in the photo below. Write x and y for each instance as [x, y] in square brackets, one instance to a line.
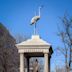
[2, 27]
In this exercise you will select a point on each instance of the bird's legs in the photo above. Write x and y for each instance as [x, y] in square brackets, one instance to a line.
[35, 28]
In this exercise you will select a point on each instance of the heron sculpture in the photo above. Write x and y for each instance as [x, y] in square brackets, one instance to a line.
[35, 19]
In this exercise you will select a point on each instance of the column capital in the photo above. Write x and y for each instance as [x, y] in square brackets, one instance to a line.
[45, 51]
[20, 52]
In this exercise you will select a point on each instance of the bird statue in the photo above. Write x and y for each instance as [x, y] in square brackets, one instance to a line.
[36, 17]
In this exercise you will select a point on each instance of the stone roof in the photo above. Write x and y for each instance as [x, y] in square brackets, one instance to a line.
[35, 40]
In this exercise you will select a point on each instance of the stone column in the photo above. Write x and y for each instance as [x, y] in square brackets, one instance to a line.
[21, 62]
[49, 62]
[46, 66]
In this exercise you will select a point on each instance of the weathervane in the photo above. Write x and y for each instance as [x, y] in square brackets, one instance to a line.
[35, 19]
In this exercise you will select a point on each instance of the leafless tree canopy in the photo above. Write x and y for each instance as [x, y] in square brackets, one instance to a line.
[9, 58]
[65, 34]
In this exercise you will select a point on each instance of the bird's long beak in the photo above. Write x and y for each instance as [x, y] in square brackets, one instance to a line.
[31, 24]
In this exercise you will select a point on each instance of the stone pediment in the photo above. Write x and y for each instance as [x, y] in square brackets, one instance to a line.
[35, 44]
[35, 40]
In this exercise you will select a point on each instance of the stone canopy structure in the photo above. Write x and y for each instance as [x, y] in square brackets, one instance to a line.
[34, 47]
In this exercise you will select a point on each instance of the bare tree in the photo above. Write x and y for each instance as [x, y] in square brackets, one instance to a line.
[9, 58]
[65, 34]
[59, 69]
[19, 38]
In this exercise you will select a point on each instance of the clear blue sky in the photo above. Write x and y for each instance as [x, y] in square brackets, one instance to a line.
[16, 16]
